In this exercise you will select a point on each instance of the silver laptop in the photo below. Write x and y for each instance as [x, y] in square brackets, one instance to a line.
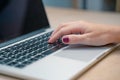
[25, 53]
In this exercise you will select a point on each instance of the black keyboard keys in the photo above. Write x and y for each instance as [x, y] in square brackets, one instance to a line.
[27, 52]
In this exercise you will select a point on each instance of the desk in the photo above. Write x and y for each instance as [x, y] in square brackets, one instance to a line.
[109, 67]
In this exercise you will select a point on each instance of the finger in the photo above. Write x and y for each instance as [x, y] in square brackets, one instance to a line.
[60, 33]
[75, 39]
[63, 26]
[59, 27]
[65, 31]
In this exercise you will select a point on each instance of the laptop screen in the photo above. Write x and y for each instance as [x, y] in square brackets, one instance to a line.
[19, 17]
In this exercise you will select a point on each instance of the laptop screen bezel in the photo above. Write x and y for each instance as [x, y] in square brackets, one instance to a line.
[13, 40]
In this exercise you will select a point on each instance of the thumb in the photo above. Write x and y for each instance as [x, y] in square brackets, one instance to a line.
[74, 39]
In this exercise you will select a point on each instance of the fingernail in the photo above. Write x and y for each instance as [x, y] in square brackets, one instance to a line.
[66, 40]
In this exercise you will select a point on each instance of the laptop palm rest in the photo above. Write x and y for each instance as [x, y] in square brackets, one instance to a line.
[80, 52]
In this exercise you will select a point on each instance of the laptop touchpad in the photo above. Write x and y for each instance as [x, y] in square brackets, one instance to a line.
[80, 52]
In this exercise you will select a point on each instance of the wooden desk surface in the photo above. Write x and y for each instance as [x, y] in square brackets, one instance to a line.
[109, 67]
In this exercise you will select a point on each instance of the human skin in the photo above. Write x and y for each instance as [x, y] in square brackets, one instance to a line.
[82, 32]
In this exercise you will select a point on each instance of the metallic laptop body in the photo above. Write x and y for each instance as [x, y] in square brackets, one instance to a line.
[25, 53]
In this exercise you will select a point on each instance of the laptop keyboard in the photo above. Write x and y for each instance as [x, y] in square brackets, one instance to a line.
[25, 53]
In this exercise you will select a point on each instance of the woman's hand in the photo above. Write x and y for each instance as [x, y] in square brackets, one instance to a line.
[86, 33]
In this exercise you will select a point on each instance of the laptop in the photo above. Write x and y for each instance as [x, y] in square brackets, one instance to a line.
[25, 53]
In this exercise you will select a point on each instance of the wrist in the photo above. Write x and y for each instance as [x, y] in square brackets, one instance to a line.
[115, 35]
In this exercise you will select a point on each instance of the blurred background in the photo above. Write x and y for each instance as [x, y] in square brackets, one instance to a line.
[96, 5]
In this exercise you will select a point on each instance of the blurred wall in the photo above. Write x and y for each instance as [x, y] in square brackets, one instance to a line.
[58, 3]
[99, 5]
[94, 4]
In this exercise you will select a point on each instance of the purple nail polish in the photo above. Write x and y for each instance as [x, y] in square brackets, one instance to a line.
[66, 40]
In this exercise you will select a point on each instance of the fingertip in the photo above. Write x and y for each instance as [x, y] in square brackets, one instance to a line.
[49, 40]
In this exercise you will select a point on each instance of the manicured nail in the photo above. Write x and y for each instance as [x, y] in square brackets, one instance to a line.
[66, 40]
